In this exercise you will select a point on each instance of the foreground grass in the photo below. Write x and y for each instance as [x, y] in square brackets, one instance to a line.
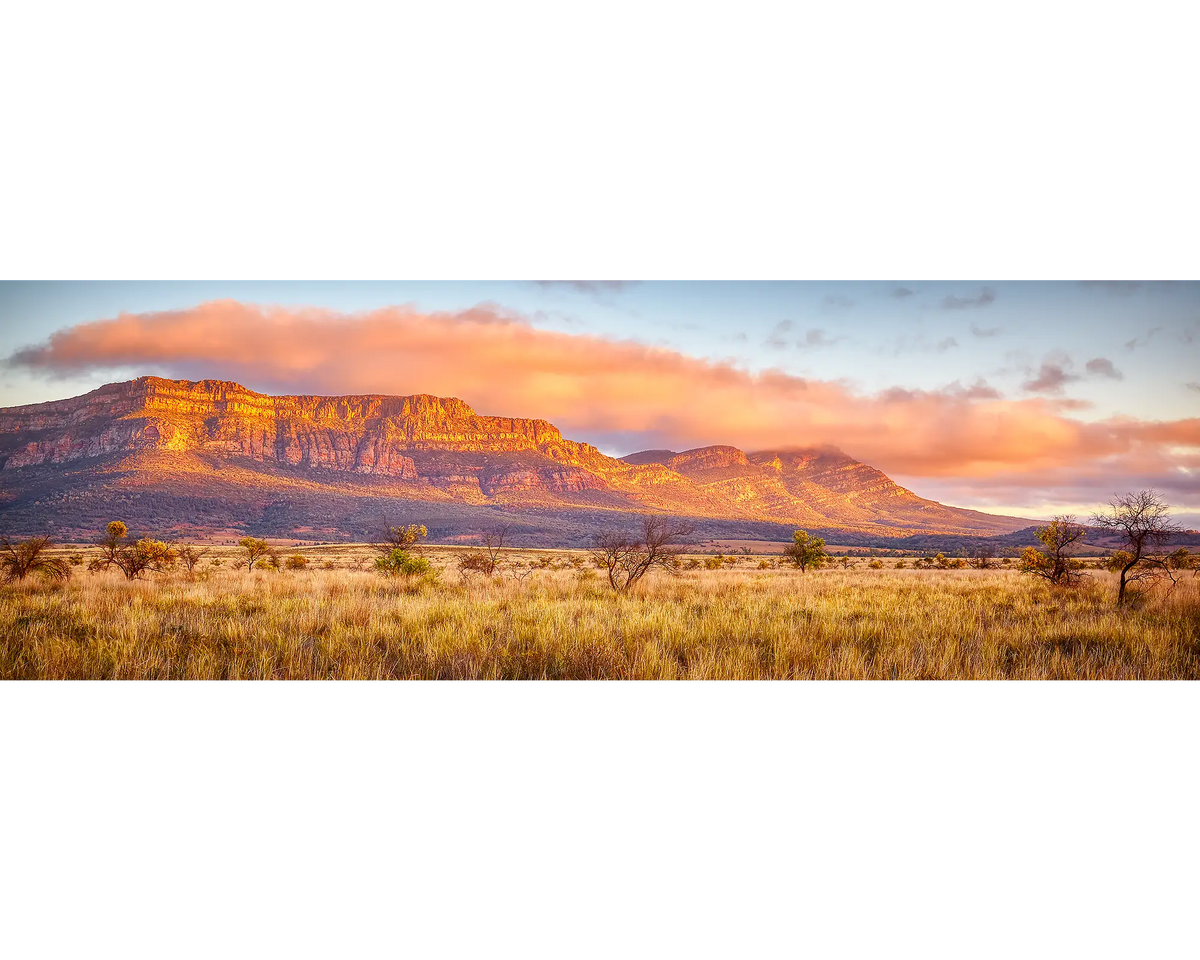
[726, 624]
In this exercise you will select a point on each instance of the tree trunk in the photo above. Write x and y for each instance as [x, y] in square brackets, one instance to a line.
[1124, 573]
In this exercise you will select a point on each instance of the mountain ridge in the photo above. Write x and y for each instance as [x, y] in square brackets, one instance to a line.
[158, 435]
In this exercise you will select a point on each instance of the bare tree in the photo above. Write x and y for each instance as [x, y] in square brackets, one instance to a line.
[19, 559]
[487, 560]
[1142, 522]
[626, 559]
[190, 557]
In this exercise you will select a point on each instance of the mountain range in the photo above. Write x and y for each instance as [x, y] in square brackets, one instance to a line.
[177, 457]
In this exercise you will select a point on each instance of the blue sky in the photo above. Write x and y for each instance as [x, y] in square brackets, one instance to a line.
[1096, 353]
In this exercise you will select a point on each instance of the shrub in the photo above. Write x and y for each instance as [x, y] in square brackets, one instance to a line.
[297, 561]
[876, 564]
[132, 559]
[477, 562]
[399, 563]
[18, 560]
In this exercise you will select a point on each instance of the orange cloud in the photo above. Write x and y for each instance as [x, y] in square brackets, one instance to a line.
[594, 387]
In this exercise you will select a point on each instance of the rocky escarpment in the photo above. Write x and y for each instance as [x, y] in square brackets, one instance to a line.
[162, 435]
[366, 434]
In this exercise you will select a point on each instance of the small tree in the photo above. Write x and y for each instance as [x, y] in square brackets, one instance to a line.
[407, 538]
[1142, 523]
[190, 557]
[256, 550]
[626, 559]
[980, 556]
[1181, 559]
[19, 559]
[1054, 562]
[132, 559]
[297, 561]
[806, 551]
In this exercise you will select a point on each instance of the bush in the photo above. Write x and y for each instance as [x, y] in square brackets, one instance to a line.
[399, 563]
[876, 564]
[18, 560]
[296, 561]
[477, 561]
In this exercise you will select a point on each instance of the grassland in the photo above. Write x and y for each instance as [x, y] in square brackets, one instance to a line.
[561, 622]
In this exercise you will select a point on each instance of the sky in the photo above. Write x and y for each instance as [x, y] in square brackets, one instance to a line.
[1024, 398]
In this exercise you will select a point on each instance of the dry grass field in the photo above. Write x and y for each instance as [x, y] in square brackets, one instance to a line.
[563, 622]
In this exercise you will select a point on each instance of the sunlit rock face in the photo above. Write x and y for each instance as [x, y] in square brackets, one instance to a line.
[369, 435]
[174, 437]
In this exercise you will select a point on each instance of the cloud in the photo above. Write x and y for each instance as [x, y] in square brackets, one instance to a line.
[778, 338]
[837, 302]
[1102, 367]
[947, 344]
[1143, 341]
[1053, 378]
[979, 390]
[588, 286]
[985, 331]
[818, 338]
[986, 297]
[591, 386]
[901, 293]
[1193, 385]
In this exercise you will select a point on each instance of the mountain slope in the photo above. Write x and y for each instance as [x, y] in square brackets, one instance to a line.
[212, 455]
[821, 486]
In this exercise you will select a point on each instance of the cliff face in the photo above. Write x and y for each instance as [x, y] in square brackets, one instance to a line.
[370, 435]
[440, 450]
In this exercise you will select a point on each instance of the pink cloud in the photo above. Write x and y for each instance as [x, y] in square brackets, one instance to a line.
[590, 386]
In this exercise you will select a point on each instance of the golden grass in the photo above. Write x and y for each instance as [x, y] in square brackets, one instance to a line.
[738, 623]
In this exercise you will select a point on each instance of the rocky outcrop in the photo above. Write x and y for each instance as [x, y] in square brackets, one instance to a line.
[369, 434]
[438, 448]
